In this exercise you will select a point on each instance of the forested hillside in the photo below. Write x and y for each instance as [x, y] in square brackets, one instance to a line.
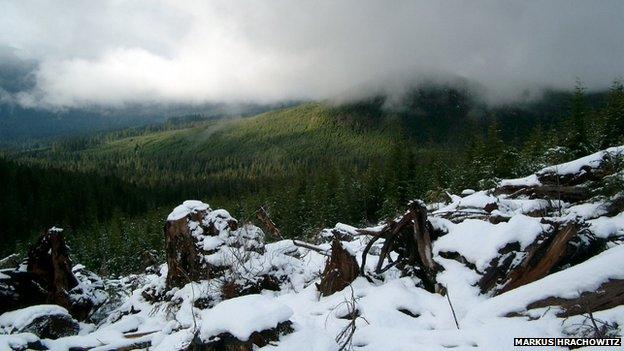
[313, 164]
[22, 126]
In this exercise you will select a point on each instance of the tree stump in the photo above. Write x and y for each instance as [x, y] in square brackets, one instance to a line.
[340, 270]
[183, 258]
[48, 279]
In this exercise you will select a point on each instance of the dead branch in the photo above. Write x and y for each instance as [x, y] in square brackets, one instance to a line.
[311, 247]
[448, 298]
[263, 217]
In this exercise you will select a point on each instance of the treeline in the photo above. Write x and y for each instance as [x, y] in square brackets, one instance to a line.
[35, 198]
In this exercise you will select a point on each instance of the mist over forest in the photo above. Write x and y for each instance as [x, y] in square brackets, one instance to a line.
[323, 175]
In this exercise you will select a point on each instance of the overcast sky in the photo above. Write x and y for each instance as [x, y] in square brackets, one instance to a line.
[115, 52]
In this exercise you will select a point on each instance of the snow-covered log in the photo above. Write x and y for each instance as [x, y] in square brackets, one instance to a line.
[608, 295]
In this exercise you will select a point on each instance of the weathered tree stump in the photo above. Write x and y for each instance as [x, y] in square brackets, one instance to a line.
[202, 244]
[340, 270]
[48, 261]
[410, 235]
[183, 258]
[47, 279]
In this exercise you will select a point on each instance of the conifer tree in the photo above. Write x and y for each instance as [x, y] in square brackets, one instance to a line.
[613, 129]
[577, 140]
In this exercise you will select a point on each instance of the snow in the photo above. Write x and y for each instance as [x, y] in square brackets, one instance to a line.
[524, 206]
[568, 283]
[605, 227]
[479, 241]
[18, 319]
[467, 192]
[587, 210]
[475, 203]
[592, 161]
[212, 242]
[347, 228]
[477, 200]
[16, 341]
[189, 206]
[526, 181]
[241, 316]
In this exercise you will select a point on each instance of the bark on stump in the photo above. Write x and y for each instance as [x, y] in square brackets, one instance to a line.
[410, 235]
[340, 270]
[183, 257]
[48, 261]
[48, 279]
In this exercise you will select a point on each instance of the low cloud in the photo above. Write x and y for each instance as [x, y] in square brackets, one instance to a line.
[119, 52]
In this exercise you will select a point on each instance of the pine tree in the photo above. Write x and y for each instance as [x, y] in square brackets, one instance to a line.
[532, 154]
[577, 140]
[613, 130]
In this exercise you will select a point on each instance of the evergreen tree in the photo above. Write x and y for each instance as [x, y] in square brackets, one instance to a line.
[577, 140]
[613, 130]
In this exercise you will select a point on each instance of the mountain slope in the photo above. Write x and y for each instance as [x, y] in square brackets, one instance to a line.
[279, 140]
[278, 159]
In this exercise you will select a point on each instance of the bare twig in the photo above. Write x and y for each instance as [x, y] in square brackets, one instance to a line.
[263, 217]
[448, 298]
[345, 337]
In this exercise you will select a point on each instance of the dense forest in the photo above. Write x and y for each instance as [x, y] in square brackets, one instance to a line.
[309, 165]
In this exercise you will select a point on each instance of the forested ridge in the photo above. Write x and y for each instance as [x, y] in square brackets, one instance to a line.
[309, 165]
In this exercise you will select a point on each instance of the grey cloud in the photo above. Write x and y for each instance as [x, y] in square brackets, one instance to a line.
[116, 52]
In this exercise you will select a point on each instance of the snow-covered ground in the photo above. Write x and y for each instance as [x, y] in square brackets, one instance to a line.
[390, 311]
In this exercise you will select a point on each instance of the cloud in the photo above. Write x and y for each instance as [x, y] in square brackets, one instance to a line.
[116, 52]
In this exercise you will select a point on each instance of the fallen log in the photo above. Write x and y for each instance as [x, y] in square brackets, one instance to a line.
[542, 257]
[311, 247]
[610, 294]
[553, 192]
[10, 261]
[586, 173]
[228, 342]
